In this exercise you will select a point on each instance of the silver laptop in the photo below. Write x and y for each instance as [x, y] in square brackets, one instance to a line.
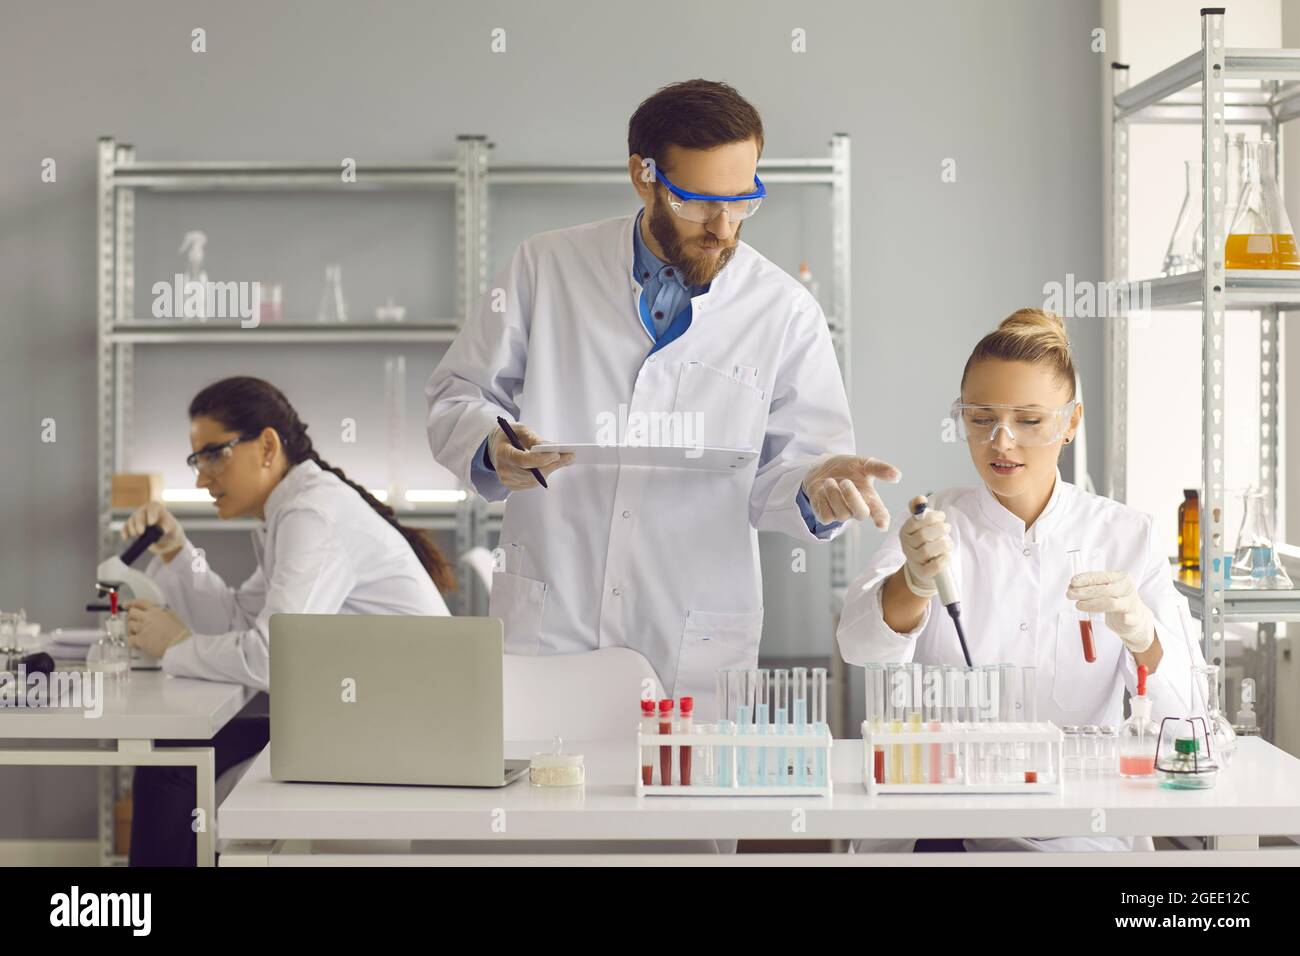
[388, 699]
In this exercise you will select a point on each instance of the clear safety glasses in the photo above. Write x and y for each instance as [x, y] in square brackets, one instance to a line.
[1026, 425]
[213, 459]
[703, 207]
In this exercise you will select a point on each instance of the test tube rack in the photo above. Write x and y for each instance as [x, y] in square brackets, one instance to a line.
[968, 740]
[722, 747]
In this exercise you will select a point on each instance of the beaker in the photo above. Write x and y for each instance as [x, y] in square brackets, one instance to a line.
[1183, 255]
[1255, 563]
[1260, 236]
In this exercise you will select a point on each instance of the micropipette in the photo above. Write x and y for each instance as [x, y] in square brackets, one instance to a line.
[947, 590]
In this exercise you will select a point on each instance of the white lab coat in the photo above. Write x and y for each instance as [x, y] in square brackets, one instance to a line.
[1012, 585]
[662, 561]
[320, 550]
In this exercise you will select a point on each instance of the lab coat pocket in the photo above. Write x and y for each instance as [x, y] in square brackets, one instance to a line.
[712, 640]
[519, 602]
[715, 409]
[1073, 686]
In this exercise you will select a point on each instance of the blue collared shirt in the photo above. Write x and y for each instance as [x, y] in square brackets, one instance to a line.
[666, 313]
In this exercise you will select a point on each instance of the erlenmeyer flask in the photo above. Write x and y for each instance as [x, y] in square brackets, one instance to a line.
[1255, 563]
[1181, 256]
[1223, 739]
[332, 307]
[1260, 236]
[1231, 197]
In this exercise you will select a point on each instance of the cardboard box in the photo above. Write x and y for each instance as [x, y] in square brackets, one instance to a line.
[134, 490]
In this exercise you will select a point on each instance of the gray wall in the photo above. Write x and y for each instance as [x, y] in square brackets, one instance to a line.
[1007, 89]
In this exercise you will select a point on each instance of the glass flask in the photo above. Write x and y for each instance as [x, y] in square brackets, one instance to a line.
[1182, 255]
[111, 655]
[1223, 738]
[1185, 756]
[1260, 236]
[332, 306]
[1231, 197]
[1255, 563]
[1139, 735]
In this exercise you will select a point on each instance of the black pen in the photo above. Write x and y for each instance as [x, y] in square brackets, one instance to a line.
[514, 440]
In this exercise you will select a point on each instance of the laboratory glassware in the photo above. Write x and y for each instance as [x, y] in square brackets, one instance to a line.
[915, 723]
[193, 306]
[1189, 531]
[799, 719]
[686, 709]
[821, 725]
[781, 715]
[1182, 256]
[899, 690]
[1185, 756]
[1222, 736]
[556, 769]
[762, 719]
[876, 699]
[745, 682]
[722, 687]
[666, 750]
[1107, 749]
[1077, 567]
[1139, 735]
[1260, 236]
[648, 726]
[1255, 563]
[333, 308]
[954, 699]
[932, 702]
[1071, 749]
[1231, 198]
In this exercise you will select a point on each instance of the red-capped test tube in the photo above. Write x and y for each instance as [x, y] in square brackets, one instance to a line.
[648, 753]
[686, 708]
[666, 750]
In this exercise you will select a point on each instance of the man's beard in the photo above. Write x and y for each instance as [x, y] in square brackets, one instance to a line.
[695, 270]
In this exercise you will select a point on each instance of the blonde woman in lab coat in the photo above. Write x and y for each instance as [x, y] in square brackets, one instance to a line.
[1006, 541]
[324, 545]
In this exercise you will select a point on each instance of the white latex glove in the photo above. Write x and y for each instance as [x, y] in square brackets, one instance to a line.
[155, 512]
[153, 629]
[927, 550]
[843, 487]
[513, 465]
[1113, 593]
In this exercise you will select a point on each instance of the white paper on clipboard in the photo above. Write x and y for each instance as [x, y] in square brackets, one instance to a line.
[694, 457]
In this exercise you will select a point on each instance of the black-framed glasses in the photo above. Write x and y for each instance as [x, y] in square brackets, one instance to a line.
[211, 459]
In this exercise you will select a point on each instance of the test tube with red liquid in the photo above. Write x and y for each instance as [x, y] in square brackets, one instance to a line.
[1085, 619]
[686, 708]
[666, 750]
[648, 726]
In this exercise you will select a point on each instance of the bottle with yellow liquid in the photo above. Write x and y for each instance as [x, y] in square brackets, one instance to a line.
[1260, 236]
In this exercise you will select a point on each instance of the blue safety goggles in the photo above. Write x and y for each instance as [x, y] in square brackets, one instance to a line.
[703, 207]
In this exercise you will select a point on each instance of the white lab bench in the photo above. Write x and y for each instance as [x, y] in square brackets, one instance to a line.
[150, 708]
[264, 823]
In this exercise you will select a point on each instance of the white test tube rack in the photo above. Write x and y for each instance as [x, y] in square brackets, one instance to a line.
[1043, 737]
[772, 743]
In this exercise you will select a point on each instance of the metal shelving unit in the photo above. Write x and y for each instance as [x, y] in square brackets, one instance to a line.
[1272, 98]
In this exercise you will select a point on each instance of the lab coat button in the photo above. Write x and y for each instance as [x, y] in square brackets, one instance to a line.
[652, 360]
[1024, 626]
[627, 514]
[616, 592]
[1026, 552]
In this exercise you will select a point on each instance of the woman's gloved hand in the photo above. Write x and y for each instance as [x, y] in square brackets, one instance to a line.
[155, 512]
[1113, 593]
[927, 550]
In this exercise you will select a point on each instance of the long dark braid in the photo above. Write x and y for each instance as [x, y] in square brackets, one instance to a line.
[248, 405]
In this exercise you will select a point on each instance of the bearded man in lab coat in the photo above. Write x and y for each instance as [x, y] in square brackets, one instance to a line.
[664, 311]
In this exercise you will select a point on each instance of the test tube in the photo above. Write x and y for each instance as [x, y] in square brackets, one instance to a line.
[974, 720]
[915, 724]
[666, 750]
[781, 711]
[1077, 566]
[1035, 757]
[876, 699]
[821, 726]
[932, 701]
[900, 691]
[953, 715]
[722, 683]
[799, 719]
[745, 681]
[1009, 705]
[762, 721]
[991, 707]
